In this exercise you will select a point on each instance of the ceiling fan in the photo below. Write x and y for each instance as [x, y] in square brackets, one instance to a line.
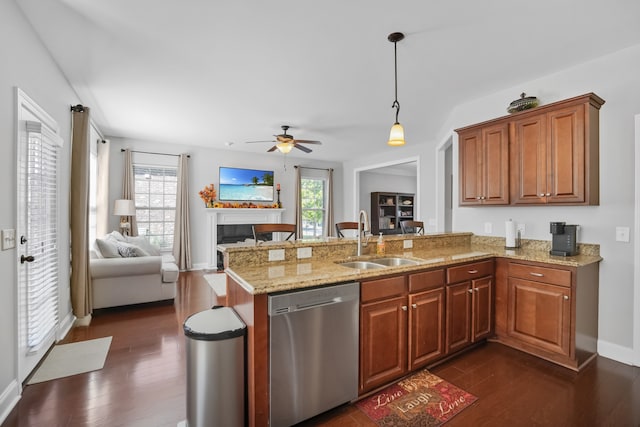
[285, 142]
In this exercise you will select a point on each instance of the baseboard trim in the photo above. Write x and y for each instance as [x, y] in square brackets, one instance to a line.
[616, 352]
[9, 399]
[65, 326]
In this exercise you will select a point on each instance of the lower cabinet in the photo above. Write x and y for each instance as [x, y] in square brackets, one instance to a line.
[469, 305]
[401, 326]
[547, 310]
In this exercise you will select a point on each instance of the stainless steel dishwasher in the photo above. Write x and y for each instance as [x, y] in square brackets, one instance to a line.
[313, 351]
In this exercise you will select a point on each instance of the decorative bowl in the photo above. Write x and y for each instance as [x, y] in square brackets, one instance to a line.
[524, 103]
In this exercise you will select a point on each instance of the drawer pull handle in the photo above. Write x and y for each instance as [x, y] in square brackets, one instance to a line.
[404, 308]
[537, 274]
[472, 271]
[414, 305]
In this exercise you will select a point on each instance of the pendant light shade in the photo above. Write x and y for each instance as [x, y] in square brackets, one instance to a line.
[396, 136]
[284, 147]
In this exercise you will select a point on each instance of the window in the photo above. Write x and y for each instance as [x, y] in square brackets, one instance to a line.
[156, 188]
[313, 195]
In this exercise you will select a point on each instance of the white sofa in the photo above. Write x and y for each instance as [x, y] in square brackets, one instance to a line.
[141, 275]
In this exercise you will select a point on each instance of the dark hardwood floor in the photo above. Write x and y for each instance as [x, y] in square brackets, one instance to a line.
[143, 380]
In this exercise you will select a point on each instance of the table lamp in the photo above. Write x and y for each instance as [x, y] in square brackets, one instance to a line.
[124, 208]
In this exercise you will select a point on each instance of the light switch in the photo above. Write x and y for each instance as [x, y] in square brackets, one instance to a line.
[488, 227]
[622, 234]
[8, 239]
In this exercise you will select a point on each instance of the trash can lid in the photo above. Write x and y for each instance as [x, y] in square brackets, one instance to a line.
[219, 323]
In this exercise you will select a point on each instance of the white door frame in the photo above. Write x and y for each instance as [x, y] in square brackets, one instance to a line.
[441, 180]
[636, 249]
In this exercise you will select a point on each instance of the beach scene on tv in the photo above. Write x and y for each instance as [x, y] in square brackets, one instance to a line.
[245, 184]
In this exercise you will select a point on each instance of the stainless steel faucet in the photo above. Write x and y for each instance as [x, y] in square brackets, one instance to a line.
[363, 219]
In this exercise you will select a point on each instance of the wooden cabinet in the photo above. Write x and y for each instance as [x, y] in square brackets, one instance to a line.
[469, 308]
[388, 209]
[548, 310]
[401, 326]
[484, 165]
[546, 155]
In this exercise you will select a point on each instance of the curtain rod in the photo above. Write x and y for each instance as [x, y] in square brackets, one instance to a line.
[122, 150]
[308, 167]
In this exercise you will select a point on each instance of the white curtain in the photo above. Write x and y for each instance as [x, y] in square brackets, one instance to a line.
[298, 199]
[330, 218]
[129, 188]
[181, 230]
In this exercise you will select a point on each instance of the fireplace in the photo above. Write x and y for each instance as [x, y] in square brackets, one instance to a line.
[238, 217]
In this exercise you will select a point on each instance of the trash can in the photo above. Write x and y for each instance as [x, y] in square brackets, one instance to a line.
[215, 342]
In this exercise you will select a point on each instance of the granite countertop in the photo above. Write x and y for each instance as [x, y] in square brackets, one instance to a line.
[322, 269]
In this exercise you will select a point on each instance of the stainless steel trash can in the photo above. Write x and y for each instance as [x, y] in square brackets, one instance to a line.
[215, 368]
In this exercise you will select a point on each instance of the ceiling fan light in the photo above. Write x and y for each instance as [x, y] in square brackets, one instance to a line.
[396, 136]
[284, 147]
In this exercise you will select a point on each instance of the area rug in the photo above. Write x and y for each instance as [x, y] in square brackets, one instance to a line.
[218, 283]
[71, 359]
[422, 399]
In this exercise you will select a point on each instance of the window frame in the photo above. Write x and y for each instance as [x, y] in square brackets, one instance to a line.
[324, 209]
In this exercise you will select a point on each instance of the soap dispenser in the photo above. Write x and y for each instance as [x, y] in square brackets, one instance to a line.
[380, 245]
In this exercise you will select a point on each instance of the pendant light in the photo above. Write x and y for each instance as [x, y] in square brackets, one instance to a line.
[396, 136]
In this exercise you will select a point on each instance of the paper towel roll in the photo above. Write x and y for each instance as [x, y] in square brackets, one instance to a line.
[510, 234]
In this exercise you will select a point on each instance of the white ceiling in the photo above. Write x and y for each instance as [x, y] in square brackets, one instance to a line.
[211, 73]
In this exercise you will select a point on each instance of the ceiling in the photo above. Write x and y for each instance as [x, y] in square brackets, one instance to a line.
[219, 73]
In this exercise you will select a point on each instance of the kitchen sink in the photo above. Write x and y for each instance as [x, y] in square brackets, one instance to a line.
[394, 262]
[362, 265]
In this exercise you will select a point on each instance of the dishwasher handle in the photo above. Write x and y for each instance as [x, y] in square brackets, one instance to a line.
[306, 300]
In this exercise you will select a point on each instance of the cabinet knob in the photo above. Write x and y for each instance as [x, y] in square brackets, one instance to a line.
[414, 305]
[476, 289]
[404, 308]
[470, 291]
[566, 297]
[478, 198]
[548, 194]
[472, 271]
[541, 194]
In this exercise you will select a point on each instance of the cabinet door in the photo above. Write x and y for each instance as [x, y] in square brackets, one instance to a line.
[470, 167]
[482, 314]
[383, 342]
[566, 155]
[426, 327]
[495, 165]
[458, 329]
[540, 314]
[529, 171]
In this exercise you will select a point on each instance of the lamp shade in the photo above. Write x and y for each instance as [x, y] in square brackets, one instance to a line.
[124, 208]
[284, 147]
[396, 136]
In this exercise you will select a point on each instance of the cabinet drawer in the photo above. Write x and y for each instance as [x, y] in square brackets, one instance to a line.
[426, 280]
[382, 288]
[536, 273]
[469, 271]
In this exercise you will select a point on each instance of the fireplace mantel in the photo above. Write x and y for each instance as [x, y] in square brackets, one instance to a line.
[223, 216]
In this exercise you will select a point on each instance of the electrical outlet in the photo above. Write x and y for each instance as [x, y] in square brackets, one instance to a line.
[488, 227]
[276, 255]
[8, 239]
[622, 234]
[521, 228]
[304, 253]
[407, 244]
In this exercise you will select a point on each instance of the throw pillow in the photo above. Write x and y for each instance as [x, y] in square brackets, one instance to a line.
[128, 250]
[143, 243]
[107, 248]
[116, 236]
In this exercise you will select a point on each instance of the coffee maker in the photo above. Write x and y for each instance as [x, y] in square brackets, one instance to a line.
[563, 241]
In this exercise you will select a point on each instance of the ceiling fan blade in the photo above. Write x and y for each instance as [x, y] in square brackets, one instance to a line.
[274, 148]
[307, 141]
[303, 148]
[253, 142]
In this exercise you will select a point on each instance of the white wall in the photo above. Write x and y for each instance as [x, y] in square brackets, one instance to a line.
[204, 164]
[27, 65]
[613, 78]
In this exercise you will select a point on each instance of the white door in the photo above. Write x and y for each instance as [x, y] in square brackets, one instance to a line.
[37, 212]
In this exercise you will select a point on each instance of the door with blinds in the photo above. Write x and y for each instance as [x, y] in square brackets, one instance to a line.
[38, 146]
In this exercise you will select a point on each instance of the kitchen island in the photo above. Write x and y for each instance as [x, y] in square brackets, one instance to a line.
[305, 264]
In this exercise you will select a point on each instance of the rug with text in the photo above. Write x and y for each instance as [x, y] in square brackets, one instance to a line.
[422, 399]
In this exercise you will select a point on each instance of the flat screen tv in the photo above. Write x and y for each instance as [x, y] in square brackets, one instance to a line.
[245, 185]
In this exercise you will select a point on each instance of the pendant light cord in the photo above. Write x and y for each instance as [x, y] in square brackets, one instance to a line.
[396, 104]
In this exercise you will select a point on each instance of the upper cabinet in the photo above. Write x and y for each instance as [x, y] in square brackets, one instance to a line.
[547, 155]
